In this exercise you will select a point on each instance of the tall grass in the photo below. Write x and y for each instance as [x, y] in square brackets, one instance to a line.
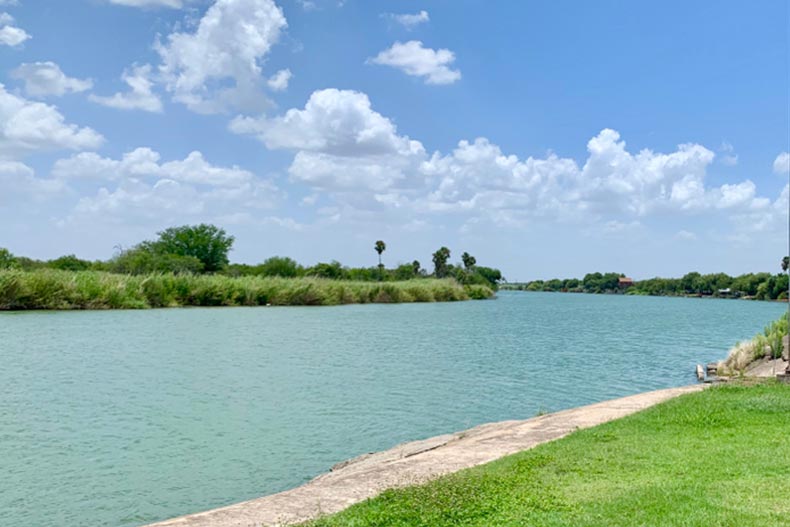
[52, 289]
[768, 344]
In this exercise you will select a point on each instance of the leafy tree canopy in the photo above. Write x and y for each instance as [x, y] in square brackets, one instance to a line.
[207, 243]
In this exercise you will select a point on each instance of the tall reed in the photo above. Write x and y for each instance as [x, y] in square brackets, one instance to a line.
[52, 289]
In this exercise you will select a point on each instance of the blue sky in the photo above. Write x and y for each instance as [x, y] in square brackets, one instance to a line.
[546, 138]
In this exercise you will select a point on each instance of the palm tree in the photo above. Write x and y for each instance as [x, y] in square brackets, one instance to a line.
[468, 260]
[380, 248]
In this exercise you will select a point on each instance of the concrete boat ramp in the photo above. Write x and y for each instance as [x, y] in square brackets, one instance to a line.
[366, 476]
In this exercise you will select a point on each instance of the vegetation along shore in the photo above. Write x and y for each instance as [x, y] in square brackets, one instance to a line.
[769, 345]
[755, 286]
[189, 266]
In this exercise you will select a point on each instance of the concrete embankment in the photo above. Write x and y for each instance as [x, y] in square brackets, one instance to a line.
[411, 463]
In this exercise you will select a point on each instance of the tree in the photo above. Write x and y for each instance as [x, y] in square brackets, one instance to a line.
[280, 266]
[785, 263]
[69, 263]
[440, 258]
[7, 260]
[690, 283]
[380, 248]
[416, 267]
[492, 276]
[332, 271]
[143, 259]
[207, 243]
[468, 260]
[404, 272]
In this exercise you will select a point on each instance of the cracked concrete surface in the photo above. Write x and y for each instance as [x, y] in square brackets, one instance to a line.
[363, 477]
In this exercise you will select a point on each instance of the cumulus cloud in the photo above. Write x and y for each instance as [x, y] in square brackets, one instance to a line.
[477, 175]
[145, 162]
[341, 143]
[19, 182]
[345, 150]
[640, 183]
[410, 21]
[10, 35]
[765, 216]
[279, 81]
[43, 79]
[612, 183]
[140, 96]
[139, 186]
[27, 126]
[782, 164]
[228, 46]
[416, 60]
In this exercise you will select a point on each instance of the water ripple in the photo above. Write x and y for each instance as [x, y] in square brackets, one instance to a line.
[124, 418]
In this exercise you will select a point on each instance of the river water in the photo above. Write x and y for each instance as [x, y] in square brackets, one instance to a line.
[121, 418]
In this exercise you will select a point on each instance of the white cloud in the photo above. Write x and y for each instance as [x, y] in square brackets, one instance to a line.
[728, 155]
[145, 162]
[170, 201]
[44, 79]
[782, 164]
[410, 21]
[141, 96]
[27, 126]
[418, 61]
[11, 35]
[175, 4]
[230, 42]
[279, 81]
[764, 216]
[344, 147]
[685, 235]
[139, 186]
[341, 143]
[18, 182]
[644, 182]
[354, 157]
[478, 176]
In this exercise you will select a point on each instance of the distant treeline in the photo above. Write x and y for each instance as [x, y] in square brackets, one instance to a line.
[203, 249]
[760, 286]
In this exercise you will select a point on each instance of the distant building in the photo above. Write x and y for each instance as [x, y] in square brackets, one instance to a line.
[725, 292]
[625, 282]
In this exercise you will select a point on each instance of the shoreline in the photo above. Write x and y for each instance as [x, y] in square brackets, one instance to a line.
[694, 296]
[365, 476]
[52, 290]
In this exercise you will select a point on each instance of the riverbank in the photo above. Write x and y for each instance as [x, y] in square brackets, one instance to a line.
[767, 352]
[626, 292]
[718, 457]
[66, 290]
[757, 286]
[417, 462]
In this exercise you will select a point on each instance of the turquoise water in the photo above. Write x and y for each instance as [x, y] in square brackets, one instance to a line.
[121, 418]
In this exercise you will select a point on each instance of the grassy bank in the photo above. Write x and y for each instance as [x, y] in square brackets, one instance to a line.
[50, 289]
[718, 457]
[768, 344]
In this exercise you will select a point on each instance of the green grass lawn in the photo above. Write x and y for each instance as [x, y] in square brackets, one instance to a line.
[715, 458]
